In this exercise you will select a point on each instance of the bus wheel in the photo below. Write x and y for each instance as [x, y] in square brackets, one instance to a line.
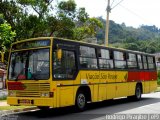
[138, 92]
[80, 102]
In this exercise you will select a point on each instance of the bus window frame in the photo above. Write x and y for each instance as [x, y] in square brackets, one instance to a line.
[125, 60]
[143, 55]
[54, 47]
[100, 57]
[38, 48]
[154, 62]
[79, 64]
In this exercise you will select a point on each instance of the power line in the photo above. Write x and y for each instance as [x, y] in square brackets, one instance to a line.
[117, 4]
[140, 17]
[112, 2]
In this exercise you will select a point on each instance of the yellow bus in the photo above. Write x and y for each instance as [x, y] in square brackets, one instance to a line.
[55, 72]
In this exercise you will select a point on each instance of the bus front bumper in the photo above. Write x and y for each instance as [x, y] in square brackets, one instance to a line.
[25, 101]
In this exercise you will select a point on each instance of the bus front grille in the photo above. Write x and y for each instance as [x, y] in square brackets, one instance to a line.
[33, 89]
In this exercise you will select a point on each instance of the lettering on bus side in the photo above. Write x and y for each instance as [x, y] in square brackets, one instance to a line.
[101, 76]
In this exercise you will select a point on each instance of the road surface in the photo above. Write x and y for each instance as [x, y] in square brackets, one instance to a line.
[149, 105]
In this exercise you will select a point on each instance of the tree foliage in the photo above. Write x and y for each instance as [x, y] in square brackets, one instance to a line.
[144, 38]
[36, 18]
[6, 34]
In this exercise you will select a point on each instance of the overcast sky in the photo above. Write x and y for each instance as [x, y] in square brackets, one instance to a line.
[131, 12]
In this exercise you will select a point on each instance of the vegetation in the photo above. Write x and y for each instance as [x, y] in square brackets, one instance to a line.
[32, 18]
[145, 38]
[22, 19]
[6, 35]
[37, 18]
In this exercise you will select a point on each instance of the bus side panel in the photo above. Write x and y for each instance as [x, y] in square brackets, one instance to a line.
[153, 82]
[153, 85]
[102, 93]
[121, 83]
[133, 77]
[146, 84]
[91, 78]
[131, 88]
[66, 96]
[109, 77]
[111, 90]
[65, 93]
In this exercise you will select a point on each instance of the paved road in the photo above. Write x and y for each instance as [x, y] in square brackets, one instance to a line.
[150, 103]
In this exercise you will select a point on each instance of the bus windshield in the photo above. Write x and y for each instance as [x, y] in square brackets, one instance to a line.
[29, 65]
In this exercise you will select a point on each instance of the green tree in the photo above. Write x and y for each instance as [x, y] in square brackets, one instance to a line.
[6, 34]
[36, 18]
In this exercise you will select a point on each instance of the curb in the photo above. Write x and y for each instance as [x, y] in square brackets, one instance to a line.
[7, 112]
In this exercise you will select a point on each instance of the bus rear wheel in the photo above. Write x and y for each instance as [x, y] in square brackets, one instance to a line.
[81, 101]
[138, 92]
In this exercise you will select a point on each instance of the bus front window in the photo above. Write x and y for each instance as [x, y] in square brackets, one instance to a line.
[29, 65]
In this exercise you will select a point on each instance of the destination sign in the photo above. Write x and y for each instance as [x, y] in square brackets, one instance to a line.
[31, 44]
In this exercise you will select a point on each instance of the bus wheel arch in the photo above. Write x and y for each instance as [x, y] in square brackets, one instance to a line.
[83, 95]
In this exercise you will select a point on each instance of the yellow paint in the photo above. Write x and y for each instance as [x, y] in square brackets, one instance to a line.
[146, 87]
[121, 76]
[153, 85]
[111, 91]
[131, 88]
[66, 96]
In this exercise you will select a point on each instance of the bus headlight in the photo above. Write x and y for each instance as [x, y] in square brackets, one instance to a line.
[12, 93]
[45, 94]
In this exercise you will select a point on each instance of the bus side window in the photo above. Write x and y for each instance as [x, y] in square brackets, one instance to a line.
[120, 62]
[131, 61]
[105, 62]
[151, 63]
[140, 63]
[87, 57]
[145, 65]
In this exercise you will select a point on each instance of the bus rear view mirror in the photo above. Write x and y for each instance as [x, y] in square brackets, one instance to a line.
[59, 54]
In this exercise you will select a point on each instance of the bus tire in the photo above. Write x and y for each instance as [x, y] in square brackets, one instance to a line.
[138, 92]
[81, 101]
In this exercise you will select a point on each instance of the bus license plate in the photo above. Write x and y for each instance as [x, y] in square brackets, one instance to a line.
[25, 101]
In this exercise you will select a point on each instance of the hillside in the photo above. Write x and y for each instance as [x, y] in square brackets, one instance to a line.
[145, 38]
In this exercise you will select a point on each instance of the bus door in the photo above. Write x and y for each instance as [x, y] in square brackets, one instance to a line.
[65, 70]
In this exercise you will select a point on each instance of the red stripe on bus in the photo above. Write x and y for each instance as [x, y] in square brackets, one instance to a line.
[143, 76]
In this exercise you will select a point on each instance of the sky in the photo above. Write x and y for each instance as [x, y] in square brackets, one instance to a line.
[131, 12]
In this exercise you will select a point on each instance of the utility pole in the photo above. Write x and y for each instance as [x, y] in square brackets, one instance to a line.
[107, 23]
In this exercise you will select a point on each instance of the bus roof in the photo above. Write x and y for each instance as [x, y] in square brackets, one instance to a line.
[76, 41]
